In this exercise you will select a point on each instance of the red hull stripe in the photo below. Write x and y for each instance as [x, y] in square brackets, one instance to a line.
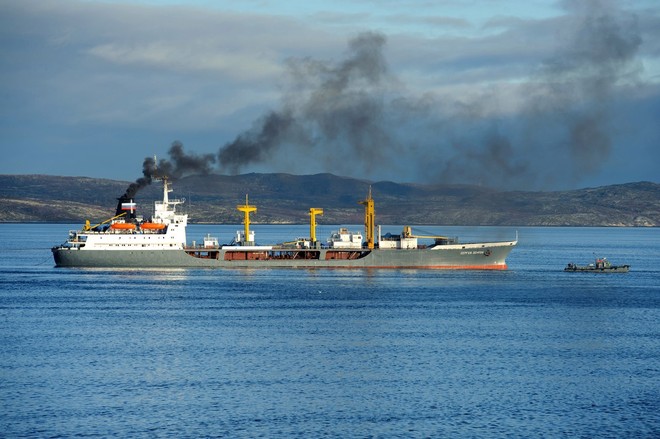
[433, 267]
[385, 267]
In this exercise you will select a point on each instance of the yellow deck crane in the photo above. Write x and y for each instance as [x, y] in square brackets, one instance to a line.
[313, 211]
[246, 209]
[88, 227]
[369, 219]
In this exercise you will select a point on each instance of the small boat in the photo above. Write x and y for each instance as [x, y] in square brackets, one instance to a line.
[601, 265]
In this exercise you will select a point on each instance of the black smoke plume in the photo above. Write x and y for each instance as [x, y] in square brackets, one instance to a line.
[148, 170]
[179, 164]
[332, 109]
[356, 117]
[564, 128]
[256, 145]
[353, 116]
[576, 87]
[182, 163]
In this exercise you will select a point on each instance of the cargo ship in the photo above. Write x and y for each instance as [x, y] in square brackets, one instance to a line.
[127, 240]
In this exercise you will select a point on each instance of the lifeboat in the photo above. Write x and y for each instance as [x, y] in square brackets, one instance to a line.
[152, 226]
[122, 226]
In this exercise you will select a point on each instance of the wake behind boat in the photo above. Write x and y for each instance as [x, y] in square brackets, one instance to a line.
[126, 240]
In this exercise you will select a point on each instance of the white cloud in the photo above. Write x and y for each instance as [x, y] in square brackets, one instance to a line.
[243, 67]
[158, 71]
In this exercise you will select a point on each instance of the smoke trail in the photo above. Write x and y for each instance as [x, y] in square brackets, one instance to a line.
[258, 144]
[577, 85]
[179, 164]
[347, 104]
[353, 116]
[148, 169]
[182, 163]
[331, 108]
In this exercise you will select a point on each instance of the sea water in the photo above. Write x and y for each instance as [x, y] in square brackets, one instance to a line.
[528, 352]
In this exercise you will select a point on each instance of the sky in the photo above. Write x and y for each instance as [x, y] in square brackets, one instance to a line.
[516, 95]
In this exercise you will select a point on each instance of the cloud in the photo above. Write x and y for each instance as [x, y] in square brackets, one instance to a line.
[431, 21]
[104, 63]
[454, 96]
[171, 56]
[357, 109]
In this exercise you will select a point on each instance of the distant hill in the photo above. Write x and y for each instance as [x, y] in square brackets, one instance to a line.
[285, 198]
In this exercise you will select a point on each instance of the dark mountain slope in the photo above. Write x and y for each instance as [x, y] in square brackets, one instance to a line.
[287, 198]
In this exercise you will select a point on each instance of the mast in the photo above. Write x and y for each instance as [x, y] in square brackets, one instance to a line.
[369, 219]
[246, 209]
[313, 211]
[166, 190]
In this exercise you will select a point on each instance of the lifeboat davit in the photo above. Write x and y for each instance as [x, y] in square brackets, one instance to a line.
[152, 226]
[122, 226]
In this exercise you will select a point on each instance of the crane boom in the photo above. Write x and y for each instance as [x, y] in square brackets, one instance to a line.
[88, 227]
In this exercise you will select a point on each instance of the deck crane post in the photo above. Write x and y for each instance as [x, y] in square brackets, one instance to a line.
[313, 211]
[369, 219]
[246, 209]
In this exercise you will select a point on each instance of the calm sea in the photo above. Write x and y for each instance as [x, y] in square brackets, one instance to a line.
[529, 352]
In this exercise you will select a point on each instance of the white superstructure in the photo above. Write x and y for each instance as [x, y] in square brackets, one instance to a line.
[126, 240]
[165, 231]
[345, 239]
[397, 242]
